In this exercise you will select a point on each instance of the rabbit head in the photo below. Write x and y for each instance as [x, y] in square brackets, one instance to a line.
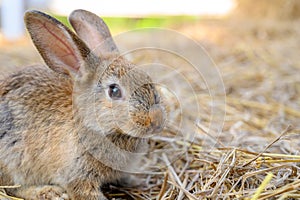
[109, 93]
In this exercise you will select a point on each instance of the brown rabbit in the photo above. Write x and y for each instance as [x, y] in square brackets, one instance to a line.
[80, 123]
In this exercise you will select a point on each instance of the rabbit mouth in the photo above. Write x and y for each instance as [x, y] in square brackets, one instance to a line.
[154, 130]
[144, 132]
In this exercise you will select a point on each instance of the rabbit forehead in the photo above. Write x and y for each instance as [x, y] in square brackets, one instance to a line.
[114, 67]
[122, 72]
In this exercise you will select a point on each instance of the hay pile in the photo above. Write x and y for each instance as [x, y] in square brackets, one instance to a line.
[256, 154]
[275, 9]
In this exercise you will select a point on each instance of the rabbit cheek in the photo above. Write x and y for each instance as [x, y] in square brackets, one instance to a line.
[140, 121]
[108, 104]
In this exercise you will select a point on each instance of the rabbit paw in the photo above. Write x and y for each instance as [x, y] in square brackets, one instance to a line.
[51, 193]
[47, 192]
[131, 181]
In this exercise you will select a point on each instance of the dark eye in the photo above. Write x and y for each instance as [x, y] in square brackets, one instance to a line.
[114, 92]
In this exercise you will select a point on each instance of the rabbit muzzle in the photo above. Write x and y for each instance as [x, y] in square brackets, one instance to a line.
[157, 119]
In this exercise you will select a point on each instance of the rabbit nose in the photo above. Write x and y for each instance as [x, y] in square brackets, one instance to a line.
[157, 117]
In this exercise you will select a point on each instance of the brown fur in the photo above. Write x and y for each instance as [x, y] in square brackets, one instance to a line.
[59, 131]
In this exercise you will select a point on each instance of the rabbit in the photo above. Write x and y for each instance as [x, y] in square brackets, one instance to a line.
[78, 122]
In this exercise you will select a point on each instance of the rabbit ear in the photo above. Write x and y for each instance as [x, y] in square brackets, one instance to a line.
[60, 48]
[93, 30]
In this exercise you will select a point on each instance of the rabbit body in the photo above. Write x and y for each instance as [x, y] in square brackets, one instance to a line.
[78, 124]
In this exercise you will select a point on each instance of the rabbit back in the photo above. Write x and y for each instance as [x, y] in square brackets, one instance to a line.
[33, 103]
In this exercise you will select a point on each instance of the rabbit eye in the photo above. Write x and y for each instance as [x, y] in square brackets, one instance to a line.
[114, 92]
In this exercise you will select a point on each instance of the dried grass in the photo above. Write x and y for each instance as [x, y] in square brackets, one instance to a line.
[279, 9]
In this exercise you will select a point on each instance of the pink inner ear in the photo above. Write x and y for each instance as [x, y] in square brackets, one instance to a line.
[94, 32]
[58, 46]
[95, 41]
[94, 38]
